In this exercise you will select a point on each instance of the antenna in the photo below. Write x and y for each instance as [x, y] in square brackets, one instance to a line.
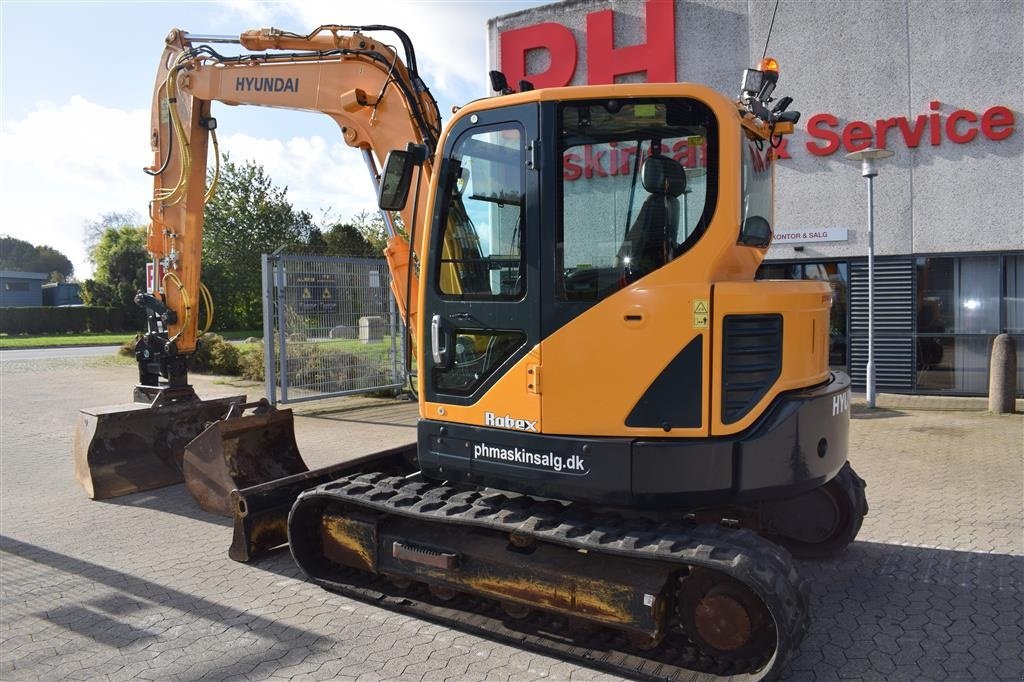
[770, 26]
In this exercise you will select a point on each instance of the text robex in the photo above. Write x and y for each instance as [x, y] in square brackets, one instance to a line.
[508, 422]
[266, 84]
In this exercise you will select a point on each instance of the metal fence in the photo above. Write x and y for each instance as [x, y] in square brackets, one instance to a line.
[330, 328]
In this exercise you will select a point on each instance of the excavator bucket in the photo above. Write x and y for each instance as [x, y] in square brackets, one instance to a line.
[125, 449]
[239, 452]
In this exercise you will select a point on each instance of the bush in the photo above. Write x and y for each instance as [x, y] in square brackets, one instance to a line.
[320, 367]
[214, 355]
[51, 320]
[250, 364]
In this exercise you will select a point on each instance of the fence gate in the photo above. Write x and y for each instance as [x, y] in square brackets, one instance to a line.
[330, 328]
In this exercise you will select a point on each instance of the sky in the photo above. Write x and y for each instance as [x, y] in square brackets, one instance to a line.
[76, 82]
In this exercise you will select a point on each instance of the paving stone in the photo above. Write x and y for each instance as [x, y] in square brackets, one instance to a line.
[931, 590]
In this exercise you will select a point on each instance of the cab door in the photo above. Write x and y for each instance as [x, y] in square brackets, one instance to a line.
[482, 291]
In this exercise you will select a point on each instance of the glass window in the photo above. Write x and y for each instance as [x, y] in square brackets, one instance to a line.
[935, 295]
[16, 286]
[977, 310]
[1014, 288]
[638, 188]
[476, 355]
[958, 295]
[953, 363]
[757, 193]
[482, 245]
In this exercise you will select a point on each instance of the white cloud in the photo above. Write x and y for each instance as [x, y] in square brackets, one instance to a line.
[321, 176]
[450, 36]
[63, 165]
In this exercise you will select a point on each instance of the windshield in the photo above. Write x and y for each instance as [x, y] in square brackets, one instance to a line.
[638, 187]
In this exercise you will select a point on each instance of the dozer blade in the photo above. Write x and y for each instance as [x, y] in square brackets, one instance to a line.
[260, 513]
[125, 449]
[239, 452]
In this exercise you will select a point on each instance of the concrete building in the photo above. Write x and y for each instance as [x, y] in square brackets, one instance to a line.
[938, 83]
[18, 289]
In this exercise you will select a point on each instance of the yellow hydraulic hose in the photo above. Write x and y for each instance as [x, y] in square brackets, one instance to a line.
[208, 302]
[177, 193]
[184, 300]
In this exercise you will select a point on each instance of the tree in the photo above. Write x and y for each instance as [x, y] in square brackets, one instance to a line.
[246, 217]
[17, 254]
[345, 239]
[94, 229]
[119, 255]
[371, 225]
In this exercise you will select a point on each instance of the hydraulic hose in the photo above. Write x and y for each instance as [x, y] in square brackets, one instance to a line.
[208, 302]
[186, 302]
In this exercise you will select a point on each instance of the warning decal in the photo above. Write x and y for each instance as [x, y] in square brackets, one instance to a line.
[701, 312]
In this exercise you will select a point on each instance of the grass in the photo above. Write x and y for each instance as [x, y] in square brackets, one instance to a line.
[8, 341]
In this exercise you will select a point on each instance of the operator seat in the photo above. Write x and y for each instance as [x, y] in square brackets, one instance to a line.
[651, 239]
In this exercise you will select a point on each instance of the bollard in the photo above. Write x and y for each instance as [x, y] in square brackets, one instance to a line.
[1002, 375]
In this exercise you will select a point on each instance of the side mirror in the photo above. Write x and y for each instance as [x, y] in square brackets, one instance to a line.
[395, 180]
[756, 232]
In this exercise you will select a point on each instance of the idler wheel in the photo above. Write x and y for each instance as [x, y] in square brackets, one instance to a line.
[723, 617]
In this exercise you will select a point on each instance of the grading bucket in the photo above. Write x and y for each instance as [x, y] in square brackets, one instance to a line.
[125, 449]
[241, 451]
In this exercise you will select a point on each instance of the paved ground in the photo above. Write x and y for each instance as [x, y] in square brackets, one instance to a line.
[24, 354]
[141, 587]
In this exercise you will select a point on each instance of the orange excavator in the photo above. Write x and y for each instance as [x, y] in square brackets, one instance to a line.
[623, 436]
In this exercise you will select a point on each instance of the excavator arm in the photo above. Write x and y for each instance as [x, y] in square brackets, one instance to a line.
[377, 99]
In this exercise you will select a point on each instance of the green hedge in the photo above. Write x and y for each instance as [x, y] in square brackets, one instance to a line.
[50, 320]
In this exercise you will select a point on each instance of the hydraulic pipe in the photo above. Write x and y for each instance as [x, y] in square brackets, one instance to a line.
[371, 165]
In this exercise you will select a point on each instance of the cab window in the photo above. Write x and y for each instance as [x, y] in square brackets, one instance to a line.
[481, 256]
[638, 188]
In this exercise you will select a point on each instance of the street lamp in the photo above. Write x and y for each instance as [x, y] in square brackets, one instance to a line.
[869, 159]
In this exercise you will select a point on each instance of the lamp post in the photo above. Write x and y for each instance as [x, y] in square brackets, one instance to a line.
[869, 159]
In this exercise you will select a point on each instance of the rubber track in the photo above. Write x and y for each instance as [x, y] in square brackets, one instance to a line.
[762, 566]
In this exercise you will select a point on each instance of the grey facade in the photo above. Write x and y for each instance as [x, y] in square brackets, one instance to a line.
[19, 289]
[949, 204]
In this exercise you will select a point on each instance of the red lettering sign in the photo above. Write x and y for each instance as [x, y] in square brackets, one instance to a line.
[618, 159]
[954, 118]
[995, 118]
[960, 127]
[816, 129]
[554, 38]
[656, 57]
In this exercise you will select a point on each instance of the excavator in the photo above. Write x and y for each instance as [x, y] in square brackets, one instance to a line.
[623, 438]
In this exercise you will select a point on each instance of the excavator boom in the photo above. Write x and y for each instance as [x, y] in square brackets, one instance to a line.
[380, 104]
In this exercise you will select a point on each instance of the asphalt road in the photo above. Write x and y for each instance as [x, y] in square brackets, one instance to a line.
[17, 354]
